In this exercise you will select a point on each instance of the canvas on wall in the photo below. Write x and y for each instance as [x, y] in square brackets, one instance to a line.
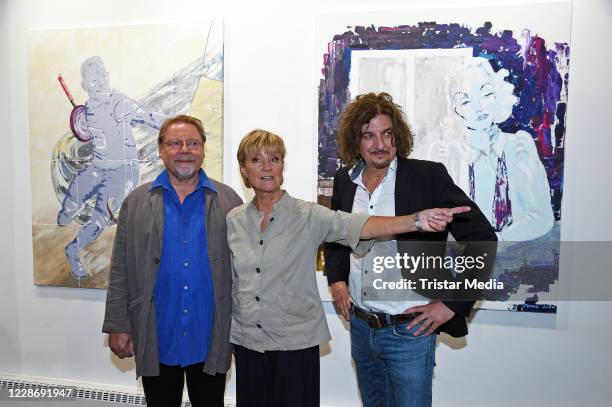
[485, 92]
[97, 98]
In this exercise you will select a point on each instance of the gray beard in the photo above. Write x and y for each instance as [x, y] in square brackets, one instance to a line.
[185, 176]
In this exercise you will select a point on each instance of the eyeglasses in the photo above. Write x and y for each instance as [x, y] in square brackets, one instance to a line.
[176, 145]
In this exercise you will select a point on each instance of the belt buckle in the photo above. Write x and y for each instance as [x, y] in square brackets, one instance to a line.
[374, 321]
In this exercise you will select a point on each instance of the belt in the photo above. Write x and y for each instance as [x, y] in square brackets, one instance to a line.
[380, 319]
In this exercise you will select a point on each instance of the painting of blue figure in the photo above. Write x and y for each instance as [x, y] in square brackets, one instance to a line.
[107, 145]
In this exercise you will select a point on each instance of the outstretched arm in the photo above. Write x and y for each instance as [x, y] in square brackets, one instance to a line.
[141, 115]
[428, 220]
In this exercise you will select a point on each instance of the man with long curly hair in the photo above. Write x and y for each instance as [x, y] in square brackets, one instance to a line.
[392, 342]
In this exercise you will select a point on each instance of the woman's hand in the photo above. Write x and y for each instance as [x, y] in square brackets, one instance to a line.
[428, 220]
[437, 219]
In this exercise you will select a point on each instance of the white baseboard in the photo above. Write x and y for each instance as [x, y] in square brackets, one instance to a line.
[88, 390]
[85, 390]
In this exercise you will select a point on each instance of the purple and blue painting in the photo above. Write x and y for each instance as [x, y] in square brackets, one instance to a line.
[490, 106]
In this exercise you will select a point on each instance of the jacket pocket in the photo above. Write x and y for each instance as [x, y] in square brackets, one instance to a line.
[295, 306]
[299, 315]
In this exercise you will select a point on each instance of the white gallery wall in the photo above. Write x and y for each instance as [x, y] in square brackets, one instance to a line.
[271, 70]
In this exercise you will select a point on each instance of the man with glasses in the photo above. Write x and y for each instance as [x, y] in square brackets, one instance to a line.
[168, 301]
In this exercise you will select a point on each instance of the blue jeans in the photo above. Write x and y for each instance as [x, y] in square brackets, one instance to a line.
[394, 368]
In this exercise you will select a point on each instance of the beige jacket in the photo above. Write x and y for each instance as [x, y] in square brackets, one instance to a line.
[276, 303]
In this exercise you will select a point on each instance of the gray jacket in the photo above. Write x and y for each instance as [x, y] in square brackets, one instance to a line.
[133, 273]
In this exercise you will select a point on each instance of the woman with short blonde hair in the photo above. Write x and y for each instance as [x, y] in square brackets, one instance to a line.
[278, 320]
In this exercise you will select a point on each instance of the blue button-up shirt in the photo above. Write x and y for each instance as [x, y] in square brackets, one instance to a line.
[184, 296]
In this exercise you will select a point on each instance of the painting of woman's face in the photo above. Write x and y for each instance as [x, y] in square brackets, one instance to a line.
[473, 97]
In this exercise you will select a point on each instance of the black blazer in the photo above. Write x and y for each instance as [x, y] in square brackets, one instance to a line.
[418, 185]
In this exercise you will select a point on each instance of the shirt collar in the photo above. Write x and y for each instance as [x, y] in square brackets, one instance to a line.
[163, 181]
[278, 204]
[356, 173]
